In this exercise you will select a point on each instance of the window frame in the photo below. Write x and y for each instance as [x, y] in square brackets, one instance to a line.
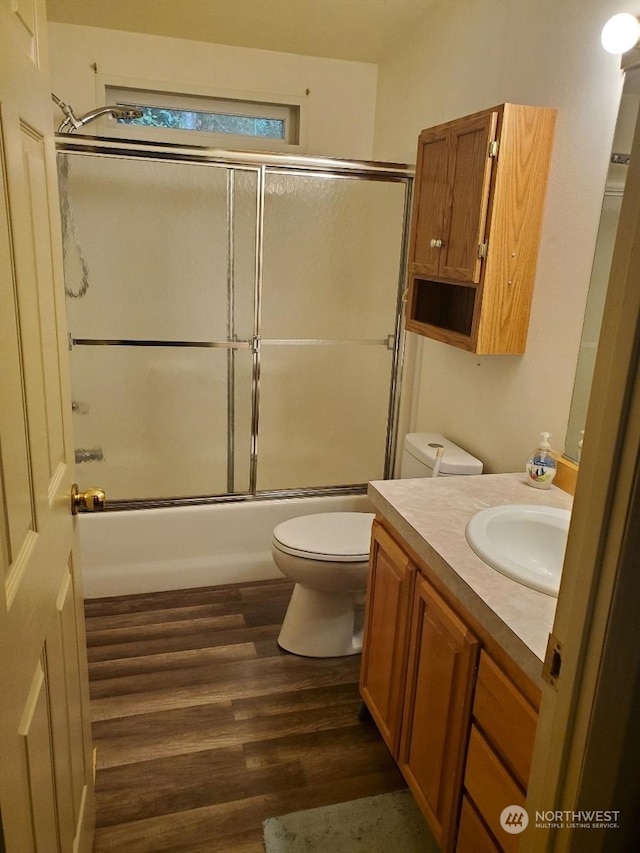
[289, 107]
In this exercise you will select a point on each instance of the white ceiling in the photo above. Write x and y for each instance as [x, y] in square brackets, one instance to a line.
[361, 30]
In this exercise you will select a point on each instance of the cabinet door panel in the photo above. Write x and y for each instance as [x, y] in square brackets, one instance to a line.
[506, 718]
[466, 213]
[491, 788]
[440, 675]
[473, 837]
[384, 654]
[429, 203]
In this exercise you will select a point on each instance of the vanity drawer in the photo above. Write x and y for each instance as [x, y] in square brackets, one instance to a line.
[472, 833]
[507, 719]
[491, 788]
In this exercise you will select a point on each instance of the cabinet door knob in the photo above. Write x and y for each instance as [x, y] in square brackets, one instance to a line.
[435, 244]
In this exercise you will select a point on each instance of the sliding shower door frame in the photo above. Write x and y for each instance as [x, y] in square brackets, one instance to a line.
[261, 165]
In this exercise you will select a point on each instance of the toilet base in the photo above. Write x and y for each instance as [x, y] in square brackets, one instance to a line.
[321, 624]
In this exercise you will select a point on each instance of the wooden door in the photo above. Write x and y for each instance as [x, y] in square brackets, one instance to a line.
[437, 710]
[46, 788]
[468, 184]
[384, 650]
[430, 187]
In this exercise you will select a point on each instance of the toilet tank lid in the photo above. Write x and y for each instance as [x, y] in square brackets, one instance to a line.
[455, 460]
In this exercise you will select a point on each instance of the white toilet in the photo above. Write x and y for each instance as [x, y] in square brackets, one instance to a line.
[327, 556]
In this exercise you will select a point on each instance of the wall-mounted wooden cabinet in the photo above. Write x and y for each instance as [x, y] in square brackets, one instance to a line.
[460, 727]
[477, 213]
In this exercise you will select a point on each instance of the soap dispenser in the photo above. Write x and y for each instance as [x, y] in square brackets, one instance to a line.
[541, 467]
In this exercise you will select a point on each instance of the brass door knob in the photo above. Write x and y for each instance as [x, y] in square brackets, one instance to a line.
[435, 244]
[93, 500]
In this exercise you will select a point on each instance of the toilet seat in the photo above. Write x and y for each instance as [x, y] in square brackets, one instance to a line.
[337, 537]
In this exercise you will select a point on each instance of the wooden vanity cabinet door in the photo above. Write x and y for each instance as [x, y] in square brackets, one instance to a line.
[491, 788]
[506, 718]
[384, 649]
[441, 667]
[473, 836]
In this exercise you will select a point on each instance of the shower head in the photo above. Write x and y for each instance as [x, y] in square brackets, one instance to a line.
[71, 122]
[114, 112]
[126, 112]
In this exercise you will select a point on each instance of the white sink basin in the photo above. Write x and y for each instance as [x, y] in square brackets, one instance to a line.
[524, 542]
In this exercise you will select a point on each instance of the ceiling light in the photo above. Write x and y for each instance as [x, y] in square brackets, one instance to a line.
[620, 33]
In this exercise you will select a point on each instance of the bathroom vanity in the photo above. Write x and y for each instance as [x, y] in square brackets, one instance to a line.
[452, 655]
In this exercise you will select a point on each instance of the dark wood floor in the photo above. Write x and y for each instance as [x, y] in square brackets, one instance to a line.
[205, 728]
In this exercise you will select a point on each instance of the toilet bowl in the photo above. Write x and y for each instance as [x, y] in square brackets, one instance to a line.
[327, 556]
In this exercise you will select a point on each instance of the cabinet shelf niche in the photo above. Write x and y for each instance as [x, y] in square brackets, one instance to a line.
[448, 309]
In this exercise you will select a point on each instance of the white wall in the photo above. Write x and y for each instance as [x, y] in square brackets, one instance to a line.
[340, 105]
[464, 56]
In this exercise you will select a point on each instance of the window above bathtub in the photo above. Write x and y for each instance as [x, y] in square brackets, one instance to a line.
[215, 118]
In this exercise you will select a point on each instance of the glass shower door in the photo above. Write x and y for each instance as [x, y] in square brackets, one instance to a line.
[160, 278]
[234, 320]
[332, 253]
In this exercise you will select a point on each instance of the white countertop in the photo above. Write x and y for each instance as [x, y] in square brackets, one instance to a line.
[432, 514]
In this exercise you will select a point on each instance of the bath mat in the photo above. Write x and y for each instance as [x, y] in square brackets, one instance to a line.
[381, 824]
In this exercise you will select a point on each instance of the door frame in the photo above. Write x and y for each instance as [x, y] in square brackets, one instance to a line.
[587, 741]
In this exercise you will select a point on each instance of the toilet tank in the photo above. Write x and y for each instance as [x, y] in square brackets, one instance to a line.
[418, 457]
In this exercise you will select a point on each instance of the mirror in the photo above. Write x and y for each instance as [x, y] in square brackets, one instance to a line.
[614, 188]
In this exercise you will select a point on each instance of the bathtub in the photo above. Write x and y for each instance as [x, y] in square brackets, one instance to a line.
[150, 550]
